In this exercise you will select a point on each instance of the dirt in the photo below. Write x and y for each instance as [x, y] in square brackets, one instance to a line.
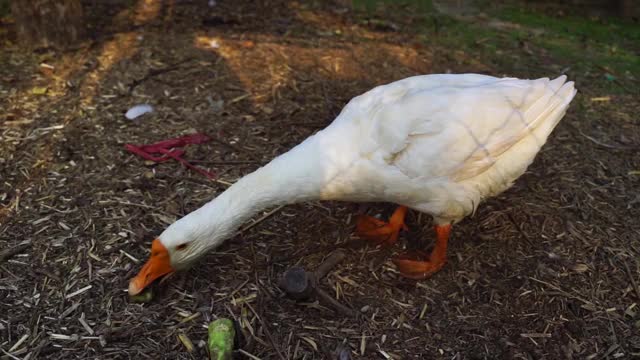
[547, 270]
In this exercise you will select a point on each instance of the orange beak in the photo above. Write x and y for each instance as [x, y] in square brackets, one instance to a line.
[158, 265]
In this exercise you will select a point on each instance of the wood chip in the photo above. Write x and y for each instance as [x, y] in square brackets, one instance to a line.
[19, 342]
[78, 292]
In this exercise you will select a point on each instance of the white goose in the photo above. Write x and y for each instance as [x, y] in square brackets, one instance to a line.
[438, 144]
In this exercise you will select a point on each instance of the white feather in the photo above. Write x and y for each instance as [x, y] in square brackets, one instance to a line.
[137, 111]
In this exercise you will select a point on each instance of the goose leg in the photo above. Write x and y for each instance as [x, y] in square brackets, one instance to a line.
[379, 231]
[419, 265]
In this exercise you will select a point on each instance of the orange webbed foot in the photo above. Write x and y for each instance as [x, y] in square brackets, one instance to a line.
[419, 265]
[382, 232]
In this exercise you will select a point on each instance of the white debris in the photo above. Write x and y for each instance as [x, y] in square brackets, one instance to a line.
[138, 111]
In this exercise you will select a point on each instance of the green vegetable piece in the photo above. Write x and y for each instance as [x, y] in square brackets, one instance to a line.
[144, 297]
[221, 335]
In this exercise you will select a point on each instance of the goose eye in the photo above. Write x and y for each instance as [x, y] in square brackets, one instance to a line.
[181, 246]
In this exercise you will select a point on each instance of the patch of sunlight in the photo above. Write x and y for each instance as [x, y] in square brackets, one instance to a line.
[121, 47]
[403, 54]
[237, 59]
[269, 64]
[146, 10]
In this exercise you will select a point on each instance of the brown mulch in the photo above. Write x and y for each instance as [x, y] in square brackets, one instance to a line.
[548, 270]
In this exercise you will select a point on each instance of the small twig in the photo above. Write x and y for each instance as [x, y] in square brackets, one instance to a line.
[231, 162]
[265, 216]
[301, 284]
[608, 146]
[517, 226]
[7, 254]
[329, 263]
[633, 280]
[265, 328]
[248, 355]
[612, 329]
[610, 351]
[333, 302]
[238, 149]
[9, 355]
[309, 124]
[559, 290]
[46, 273]
[267, 331]
[154, 72]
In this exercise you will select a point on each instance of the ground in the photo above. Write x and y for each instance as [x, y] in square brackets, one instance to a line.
[548, 270]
